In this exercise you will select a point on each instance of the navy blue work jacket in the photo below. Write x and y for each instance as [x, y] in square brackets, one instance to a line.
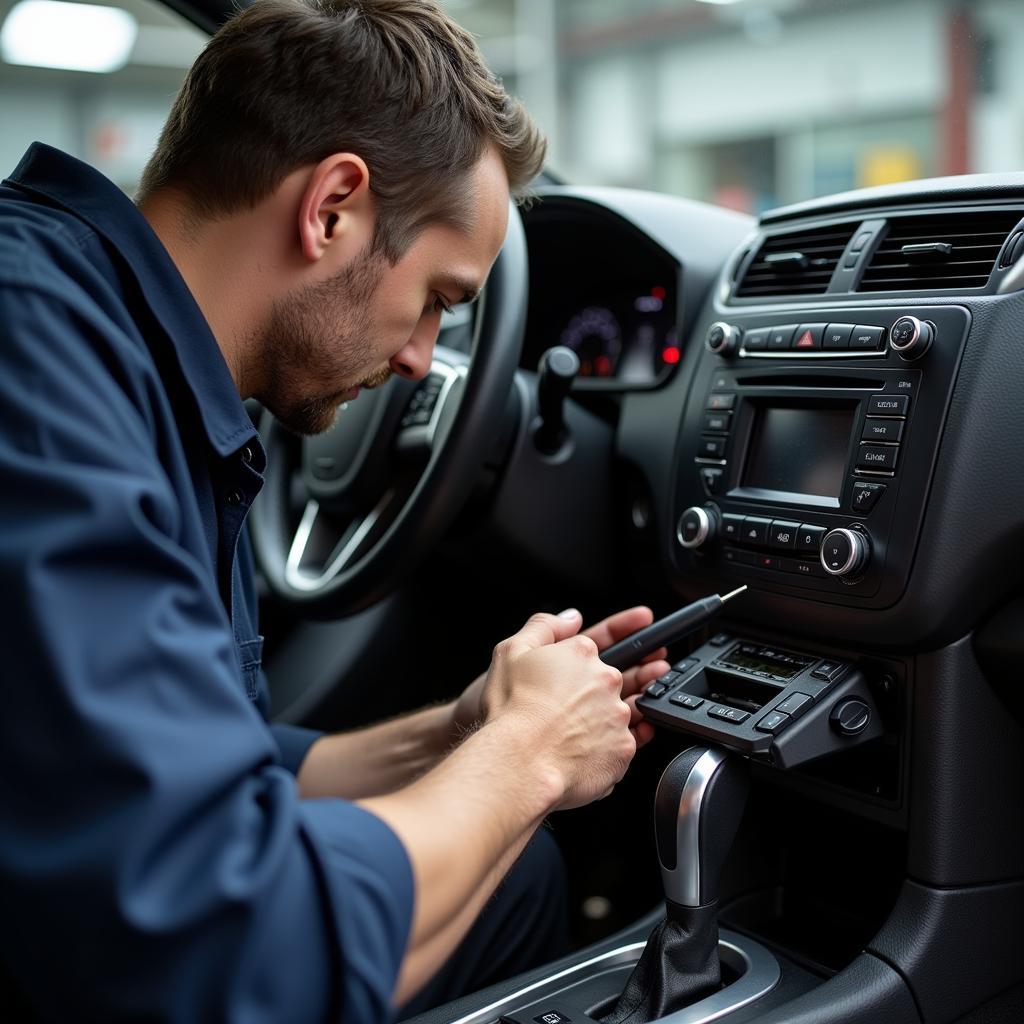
[156, 862]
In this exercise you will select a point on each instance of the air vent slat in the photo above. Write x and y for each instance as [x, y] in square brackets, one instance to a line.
[976, 238]
[821, 249]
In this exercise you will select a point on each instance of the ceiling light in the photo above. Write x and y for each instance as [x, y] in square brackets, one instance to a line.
[74, 37]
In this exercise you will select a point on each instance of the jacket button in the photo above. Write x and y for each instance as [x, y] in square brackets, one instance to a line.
[247, 454]
[234, 498]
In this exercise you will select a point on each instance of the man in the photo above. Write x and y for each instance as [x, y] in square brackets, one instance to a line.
[331, 178]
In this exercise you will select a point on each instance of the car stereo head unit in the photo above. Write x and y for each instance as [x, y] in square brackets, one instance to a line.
[812, 473]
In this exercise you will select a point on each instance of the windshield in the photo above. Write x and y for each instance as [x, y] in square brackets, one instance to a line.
[749, 104]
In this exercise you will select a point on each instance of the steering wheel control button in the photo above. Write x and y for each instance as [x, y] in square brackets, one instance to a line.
[866, 495]
[731, 527]
[695, 527]
[794, 705]
[723, 339]
[717, 422]
[712, 448]
[844, 552]
[721, 402]
[888, 405]
[755, 531]
[808, 337]
[868, 338]
[756, 340]
[830, 671]
[782, 535]
[877, 457]
[881, 429]
[837, 336]
[780, 338]
[424, 399]
[910, 337]
[850, 717]
[772, 722]
[808, 539]
[711, 479]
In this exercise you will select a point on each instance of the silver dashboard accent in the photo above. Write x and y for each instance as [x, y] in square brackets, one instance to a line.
[858, 552]
[682, 883]
[792, 353]
[757, 969]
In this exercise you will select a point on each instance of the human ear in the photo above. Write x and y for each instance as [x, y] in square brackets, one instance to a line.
[335, 199]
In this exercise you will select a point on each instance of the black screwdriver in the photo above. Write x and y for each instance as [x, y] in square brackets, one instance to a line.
[638, 645]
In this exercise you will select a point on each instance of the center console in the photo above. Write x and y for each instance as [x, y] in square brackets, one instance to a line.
[806, 449]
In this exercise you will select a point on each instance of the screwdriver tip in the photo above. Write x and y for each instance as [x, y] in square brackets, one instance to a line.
[733, 593]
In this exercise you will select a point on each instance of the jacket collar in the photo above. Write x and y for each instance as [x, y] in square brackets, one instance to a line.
[94, 199]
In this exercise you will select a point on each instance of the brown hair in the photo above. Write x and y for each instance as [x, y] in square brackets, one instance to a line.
[285, 83]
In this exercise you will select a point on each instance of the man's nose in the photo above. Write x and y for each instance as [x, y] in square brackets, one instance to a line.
[413, 360]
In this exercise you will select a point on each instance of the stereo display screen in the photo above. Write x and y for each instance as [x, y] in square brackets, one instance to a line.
[799, 449]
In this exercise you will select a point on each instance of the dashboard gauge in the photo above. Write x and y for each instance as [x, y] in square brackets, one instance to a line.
[595, 336]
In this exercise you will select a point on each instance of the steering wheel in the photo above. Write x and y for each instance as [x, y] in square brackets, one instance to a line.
[382, 486]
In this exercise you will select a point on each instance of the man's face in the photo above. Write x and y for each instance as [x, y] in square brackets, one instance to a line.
[369, 319]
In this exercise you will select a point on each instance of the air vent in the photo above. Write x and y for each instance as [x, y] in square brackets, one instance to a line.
[795, 263]
[952, 250]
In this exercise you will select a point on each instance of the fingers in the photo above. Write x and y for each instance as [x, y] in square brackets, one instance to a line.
[642, 730]
[543, 629]
[621, 624]
[635, 679]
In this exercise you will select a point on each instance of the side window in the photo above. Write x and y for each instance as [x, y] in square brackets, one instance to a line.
[95, 80]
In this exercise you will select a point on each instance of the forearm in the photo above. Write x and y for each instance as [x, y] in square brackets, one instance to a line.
[379, 759]
[463, 825]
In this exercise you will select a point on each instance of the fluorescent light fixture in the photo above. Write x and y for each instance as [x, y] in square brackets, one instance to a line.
[73, 37]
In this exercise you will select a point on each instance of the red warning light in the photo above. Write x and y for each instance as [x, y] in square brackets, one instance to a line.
[806, 340]
[657, 292]
[670, 355]
[603, 366]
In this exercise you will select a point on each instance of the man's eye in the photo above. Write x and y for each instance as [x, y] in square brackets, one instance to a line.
[440, 305]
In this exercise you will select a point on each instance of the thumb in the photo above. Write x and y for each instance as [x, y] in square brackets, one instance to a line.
[542, 628]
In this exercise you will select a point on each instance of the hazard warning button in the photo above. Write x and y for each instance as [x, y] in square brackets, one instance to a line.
[807, 337]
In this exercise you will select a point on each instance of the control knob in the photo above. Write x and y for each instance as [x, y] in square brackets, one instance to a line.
[723, 339]
[850, 717]
[844, 552]
[696, 527]
[910, 338]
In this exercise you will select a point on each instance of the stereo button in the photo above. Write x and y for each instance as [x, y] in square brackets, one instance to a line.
[719, 403]
[717, 422]
[867, 338]
[808, 539]
[882, 429]
[837, 336]
[874, 457]
[712, 448]
[865, 496]
[780, 337]
[755, 531]
[782, 536]
[756, 340]
[731, 527]
[888, 405]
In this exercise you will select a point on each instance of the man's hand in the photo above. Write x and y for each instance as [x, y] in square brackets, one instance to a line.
[467, 712]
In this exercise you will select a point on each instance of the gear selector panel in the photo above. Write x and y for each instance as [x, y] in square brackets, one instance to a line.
[774, 704]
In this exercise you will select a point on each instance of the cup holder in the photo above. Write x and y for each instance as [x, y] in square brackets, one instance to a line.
[587, 990]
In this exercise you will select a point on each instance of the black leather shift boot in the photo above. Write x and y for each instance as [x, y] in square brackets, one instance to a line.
[679, 966]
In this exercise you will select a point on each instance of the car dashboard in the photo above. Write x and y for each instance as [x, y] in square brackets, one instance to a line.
[822, 405]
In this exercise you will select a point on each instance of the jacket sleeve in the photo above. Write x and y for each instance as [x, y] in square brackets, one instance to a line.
[155, 859]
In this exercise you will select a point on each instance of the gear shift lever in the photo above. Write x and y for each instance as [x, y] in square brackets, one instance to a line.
[698, 807]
